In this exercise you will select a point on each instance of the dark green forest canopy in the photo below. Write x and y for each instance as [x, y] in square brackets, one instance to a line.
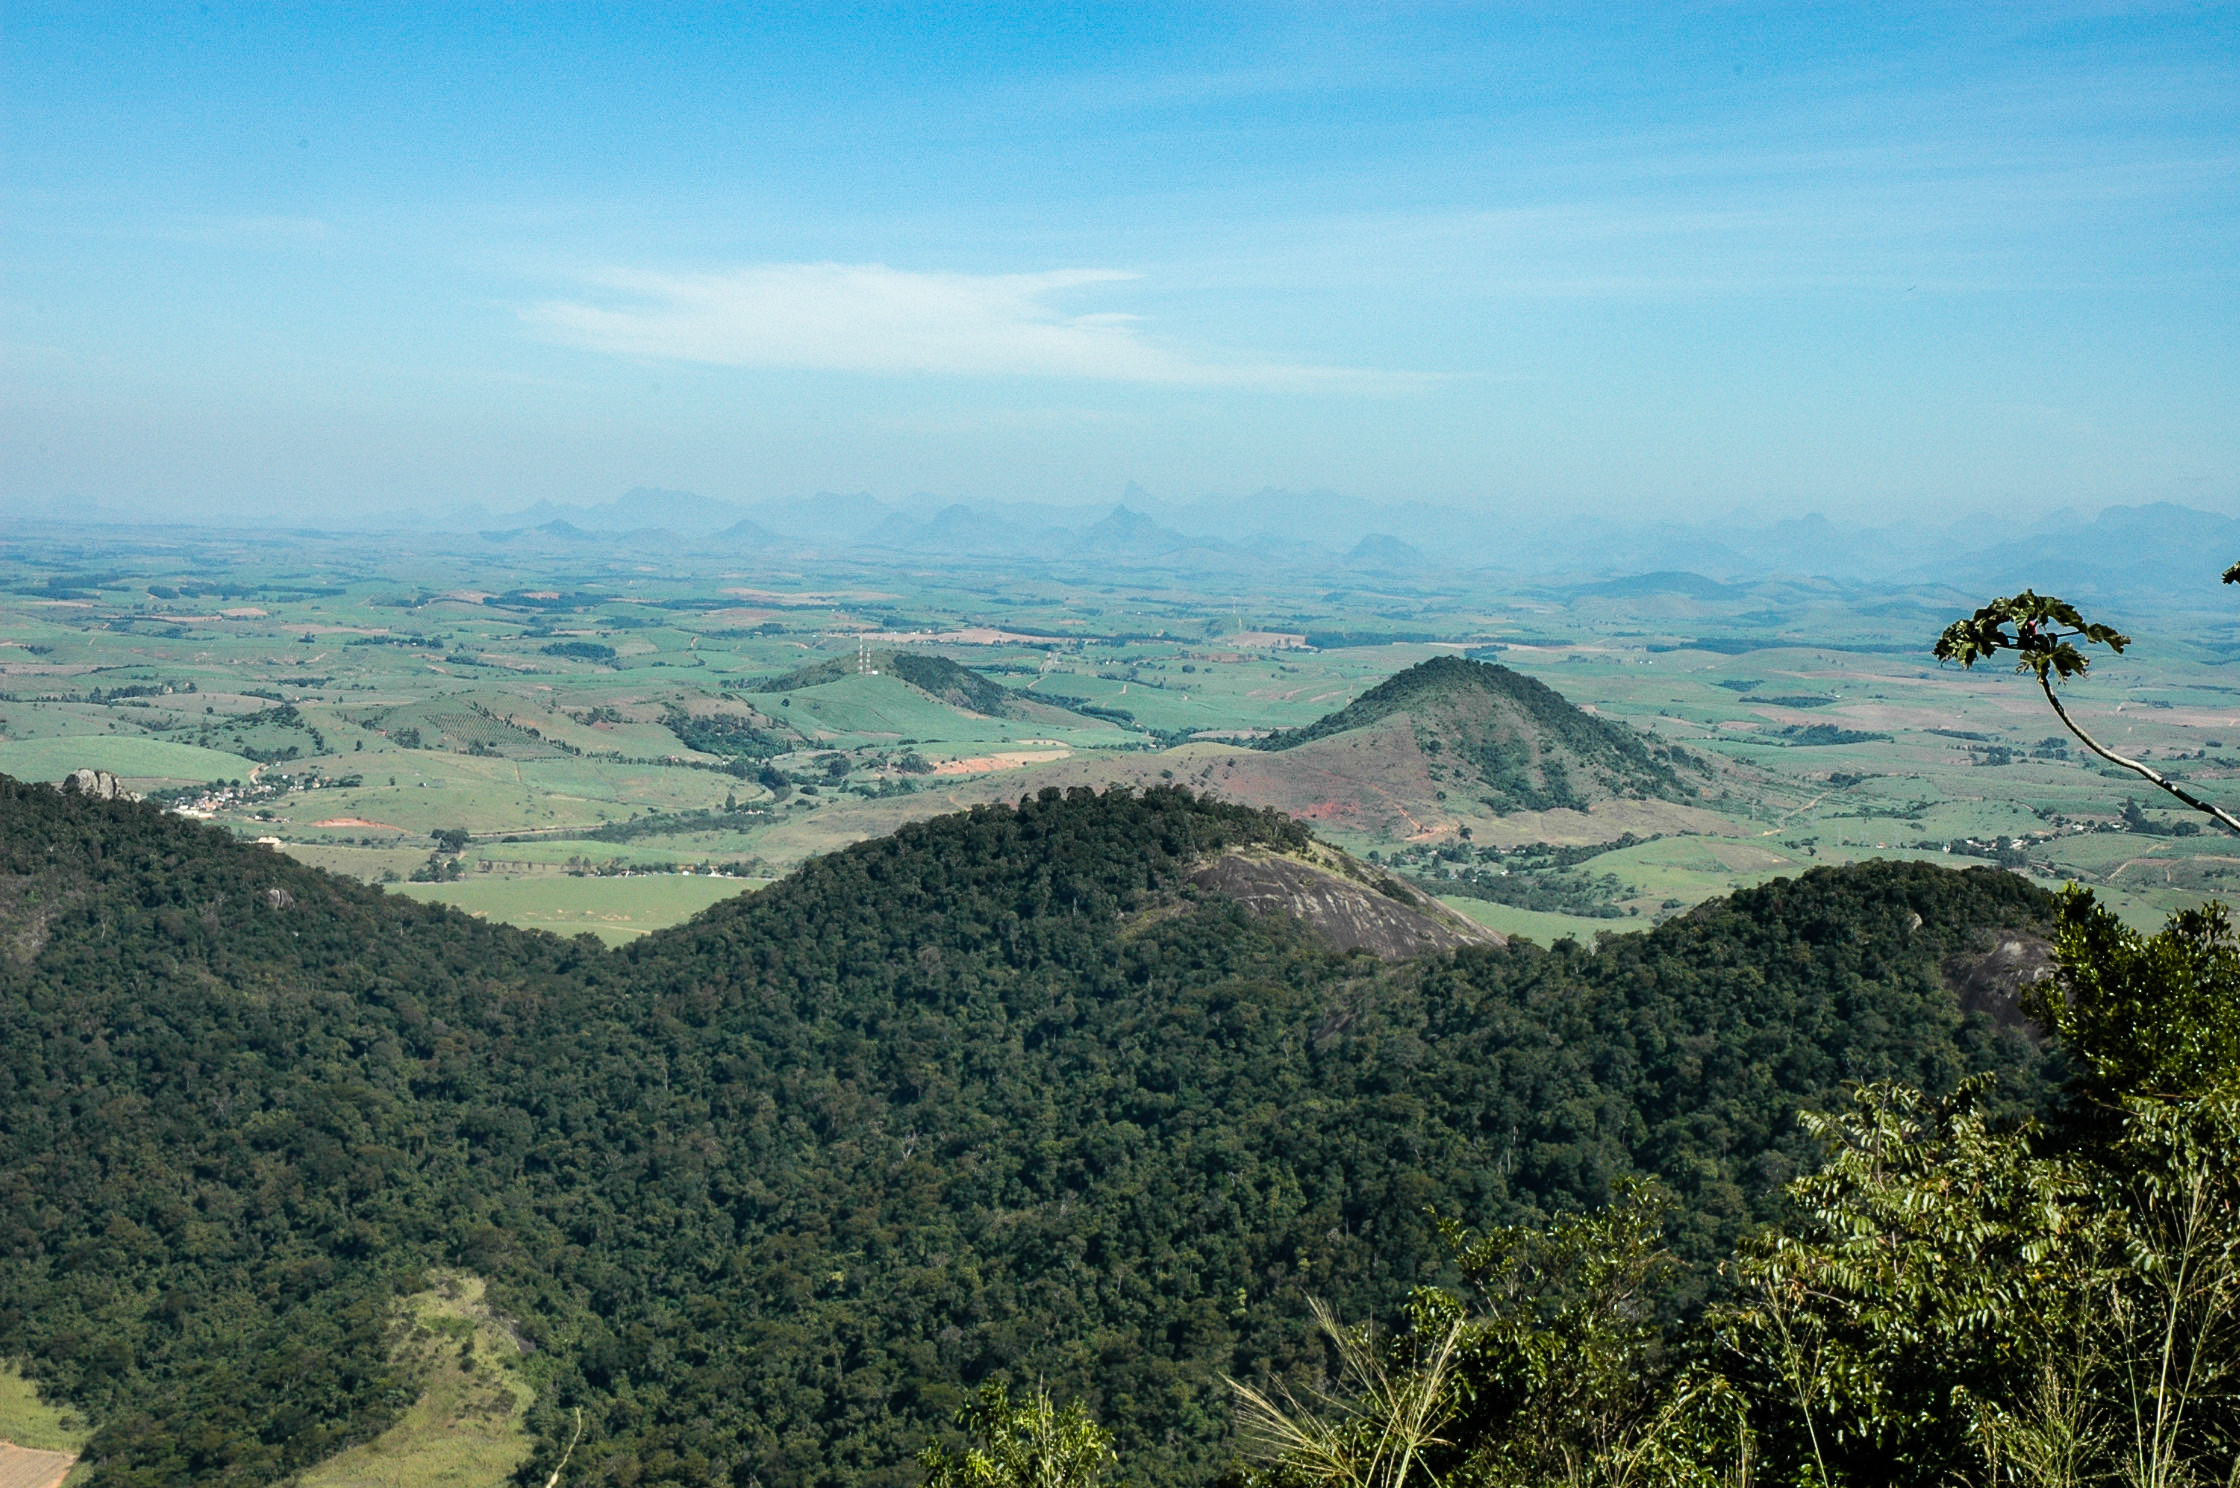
[1000, 1094]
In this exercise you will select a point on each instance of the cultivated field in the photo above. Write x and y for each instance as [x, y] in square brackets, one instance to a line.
[589, 726]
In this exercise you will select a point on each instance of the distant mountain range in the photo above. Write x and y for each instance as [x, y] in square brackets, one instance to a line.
[2153, 555]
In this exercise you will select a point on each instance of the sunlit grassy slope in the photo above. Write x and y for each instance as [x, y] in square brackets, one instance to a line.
[1536, 925]
[132, 759]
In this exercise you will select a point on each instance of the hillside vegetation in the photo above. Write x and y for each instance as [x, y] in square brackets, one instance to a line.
[1003, 1095]
[1516, 741]
[936, 676]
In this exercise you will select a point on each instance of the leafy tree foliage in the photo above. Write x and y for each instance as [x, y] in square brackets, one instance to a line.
[2146, 1015]
[1550, 1365]
[1952, 1297]
[725, 734]
[1034, 1443]
[2055, 1303]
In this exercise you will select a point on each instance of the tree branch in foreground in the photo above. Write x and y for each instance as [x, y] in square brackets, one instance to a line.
[2043, 636]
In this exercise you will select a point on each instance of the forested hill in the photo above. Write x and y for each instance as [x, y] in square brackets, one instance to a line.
[1524, 745]
[1002, 1094]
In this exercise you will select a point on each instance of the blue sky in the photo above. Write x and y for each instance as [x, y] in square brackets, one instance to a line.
[1876, 261]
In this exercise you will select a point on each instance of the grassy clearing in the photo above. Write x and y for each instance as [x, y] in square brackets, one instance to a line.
[28, 1421]
[1694, 868]
[614, 909]
[557, 854]
[465, 1430]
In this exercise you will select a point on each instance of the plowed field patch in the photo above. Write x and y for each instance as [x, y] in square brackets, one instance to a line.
[21, 1467]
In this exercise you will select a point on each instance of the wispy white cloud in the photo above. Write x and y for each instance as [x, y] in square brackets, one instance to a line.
[876, 319]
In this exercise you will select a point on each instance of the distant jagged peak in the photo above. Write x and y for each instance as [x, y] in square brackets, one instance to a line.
[1513, 741]
[636, 510]
[747, 531]
[1383, 550]
[1125, 523]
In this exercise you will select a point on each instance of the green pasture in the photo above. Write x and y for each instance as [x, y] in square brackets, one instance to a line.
[1152, 701]
[422, 790]
[553, 854]
[132, 758]
[616, 909]
[1691, 869]
[26, 721]
[1269, 689]
[2098, 854]
[369, 864]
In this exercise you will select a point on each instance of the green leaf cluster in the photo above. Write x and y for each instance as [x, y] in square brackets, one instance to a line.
[2040, 630]
[1031, 1443]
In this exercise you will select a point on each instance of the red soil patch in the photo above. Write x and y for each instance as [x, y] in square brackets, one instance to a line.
[355, 821]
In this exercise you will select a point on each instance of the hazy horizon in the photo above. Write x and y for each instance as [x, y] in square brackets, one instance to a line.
[1882, 264]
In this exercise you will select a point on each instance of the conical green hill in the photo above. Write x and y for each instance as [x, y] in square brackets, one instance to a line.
[1515, 736]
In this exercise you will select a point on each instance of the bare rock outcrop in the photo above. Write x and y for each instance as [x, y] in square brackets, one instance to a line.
[99, 784]
[1991, 981]
[1349, 906]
